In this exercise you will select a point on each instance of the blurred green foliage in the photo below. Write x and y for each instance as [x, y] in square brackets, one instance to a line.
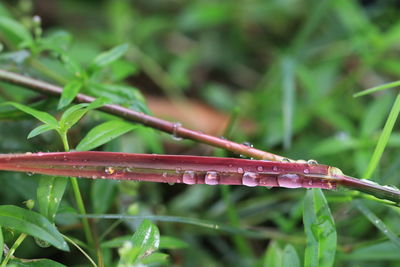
[291, 67]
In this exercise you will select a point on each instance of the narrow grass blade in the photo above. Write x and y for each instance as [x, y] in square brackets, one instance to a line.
[288, 99]
[320, 231]
[175, 219]
[377, 88]
[35, 263]
[375, 220]
[1, 244]
[383, 139]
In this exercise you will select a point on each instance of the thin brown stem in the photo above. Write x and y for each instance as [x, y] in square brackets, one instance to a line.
[173, 128]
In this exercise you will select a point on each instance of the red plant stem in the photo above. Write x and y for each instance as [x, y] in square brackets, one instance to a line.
[173, 128]
[189, 170]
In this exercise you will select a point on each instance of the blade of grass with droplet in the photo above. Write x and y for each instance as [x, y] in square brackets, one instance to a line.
[320, 230]
[383, 139]
[375, 220]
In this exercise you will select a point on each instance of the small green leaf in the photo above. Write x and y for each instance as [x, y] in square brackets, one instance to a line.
[320, 230]
[73, 114]
[109, 56]
[378, 223]
[40, 129]
[102, 195]
[40, 115]
[120, 94]
[31, 223]
[35, 263]
[104, 133]
[69, 92]
[13, 31]
[71, 65]
[273, 256]
[49, 194]
[290, 257]
[147, 238]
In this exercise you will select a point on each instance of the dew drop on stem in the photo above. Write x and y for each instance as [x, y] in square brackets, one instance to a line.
[211, 178]
[175, 129]
[289, 180]
[312, 161]
[250, 179]
[189, 177]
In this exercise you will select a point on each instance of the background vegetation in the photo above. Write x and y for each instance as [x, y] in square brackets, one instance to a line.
[283, 73]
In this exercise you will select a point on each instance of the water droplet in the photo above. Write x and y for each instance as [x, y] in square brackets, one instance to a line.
[109, 170]
[178, 170]
[275, 169]
[189, 177]
[250, 179]
[165, 174]
[171, 183]
[260, 168]
[240, 170]
[127, 170]
[28, 153]
[312, 161]
[289, 180]
[211, 178]
[175, 129]
[333, 171]
[247, 144]
[30, 173]
[285, 160]
[306, 171]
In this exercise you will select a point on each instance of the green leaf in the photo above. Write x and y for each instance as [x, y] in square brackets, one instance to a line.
[109, 56]
[71, 65]
[104, 133]
[378, 223]
[290, 257]
[102, 195]
[320, 230]
[383, 138]
[49, 194]
[120, 94]
[73, 114]
[13, 31]
[69, 92]
[147, 238]
[273, 256]
[40, 129]
[40, 115]
[35, 263]
[31, 223]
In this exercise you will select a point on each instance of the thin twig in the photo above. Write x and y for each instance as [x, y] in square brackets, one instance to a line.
[173, 128]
